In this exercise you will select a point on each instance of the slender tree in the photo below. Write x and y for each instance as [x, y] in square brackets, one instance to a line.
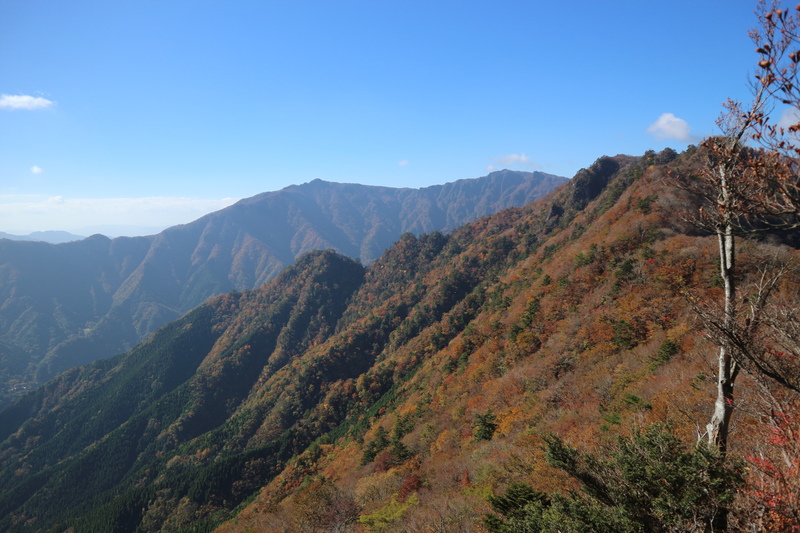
[749, 189]
[724, 186]
[751, 184]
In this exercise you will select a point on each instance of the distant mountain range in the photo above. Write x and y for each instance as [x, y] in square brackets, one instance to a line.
[52, 237]
[69, 304]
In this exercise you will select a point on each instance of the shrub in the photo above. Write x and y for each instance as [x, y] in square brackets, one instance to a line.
[649, 482]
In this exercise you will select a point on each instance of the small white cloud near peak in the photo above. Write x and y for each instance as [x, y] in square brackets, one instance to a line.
[514, 160]
[668, 126]
[23, 101]
[35, 169]
[403, 163]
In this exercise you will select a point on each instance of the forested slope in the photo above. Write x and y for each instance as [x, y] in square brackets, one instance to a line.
[417, 393]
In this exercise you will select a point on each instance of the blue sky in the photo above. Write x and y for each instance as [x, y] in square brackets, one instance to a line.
[152, 113]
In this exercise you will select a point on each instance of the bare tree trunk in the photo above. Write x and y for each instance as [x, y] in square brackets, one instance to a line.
[719, 426]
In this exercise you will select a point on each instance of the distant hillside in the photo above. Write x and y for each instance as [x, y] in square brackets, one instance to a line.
[70, 304]
[399, 396]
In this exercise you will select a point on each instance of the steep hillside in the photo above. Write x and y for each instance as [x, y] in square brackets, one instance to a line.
[70, 304]
[111, 420]
[396, 397]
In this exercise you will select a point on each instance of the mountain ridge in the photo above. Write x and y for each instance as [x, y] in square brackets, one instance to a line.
[50, 236]
[62, 312]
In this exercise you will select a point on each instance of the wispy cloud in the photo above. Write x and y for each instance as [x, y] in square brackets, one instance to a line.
[23, 101]
[668, 126]
[402, 163]
[36, 169]
[22, 213]
[514, 160]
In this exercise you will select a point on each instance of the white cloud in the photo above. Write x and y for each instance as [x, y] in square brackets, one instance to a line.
[23, 101]
[23, 213]
[668, 126]
[36, 169]
[789, 117]
[514, 160]
[402, 163]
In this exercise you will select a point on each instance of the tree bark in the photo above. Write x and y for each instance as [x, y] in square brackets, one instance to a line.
[719, 425]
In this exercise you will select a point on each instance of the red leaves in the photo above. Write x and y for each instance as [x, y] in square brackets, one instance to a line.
[411, 484]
